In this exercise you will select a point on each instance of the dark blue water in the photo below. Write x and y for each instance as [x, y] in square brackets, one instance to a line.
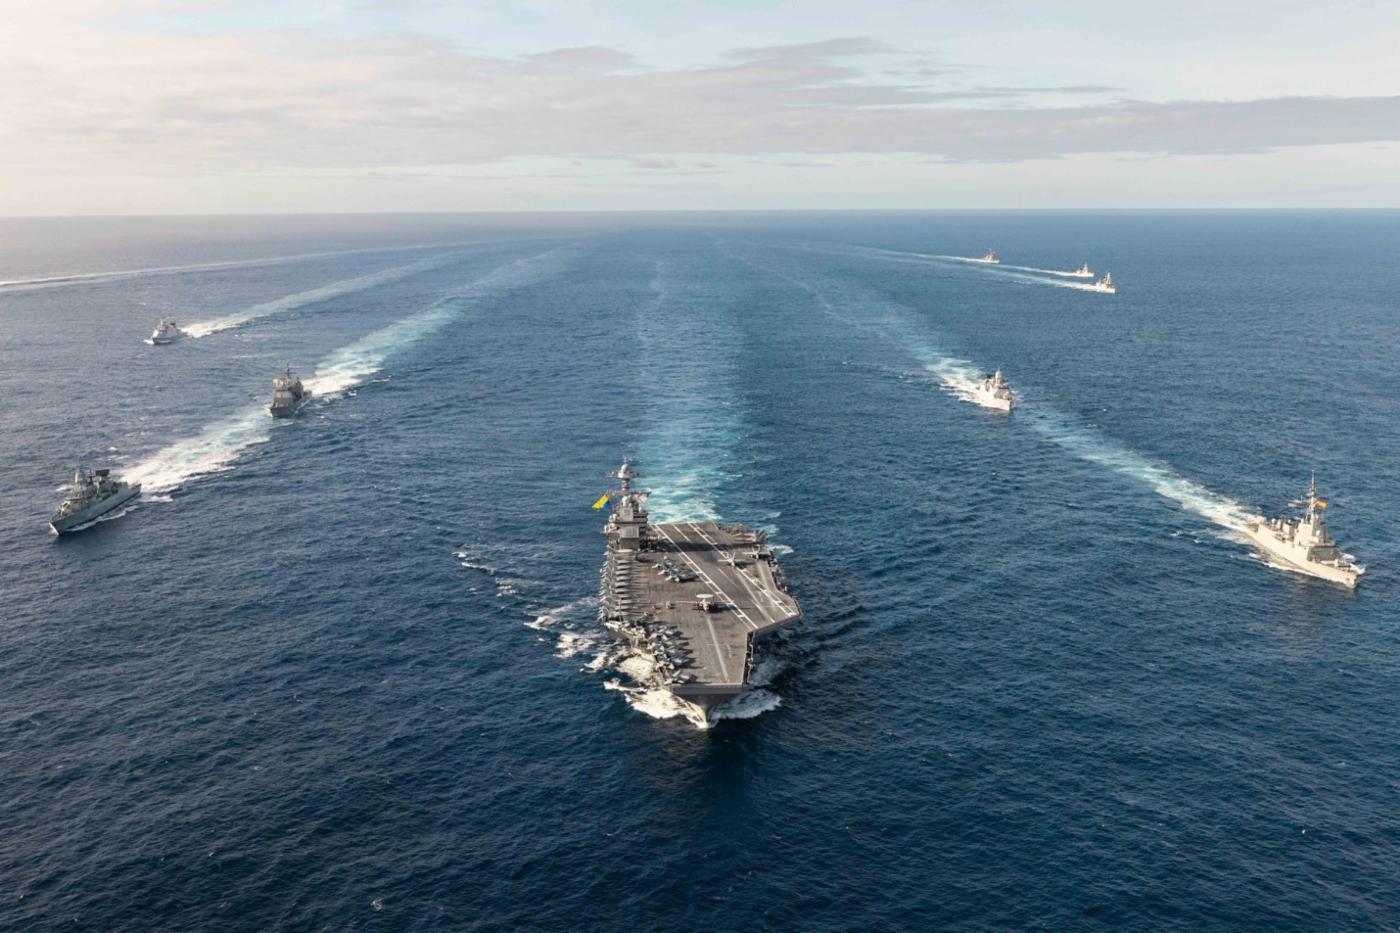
[342, 673]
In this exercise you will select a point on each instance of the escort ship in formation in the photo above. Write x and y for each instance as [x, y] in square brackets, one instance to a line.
[92, 494]
[694, 597]
[1304, 545]
[288, 395]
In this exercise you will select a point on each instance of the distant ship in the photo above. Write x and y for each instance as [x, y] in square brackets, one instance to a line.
[92, 495]
[166, 332]
[1303, 544]
[288, 394]
[993, 392]
[694, 597]
[1082, 272]
[1104, 285]
[990, 258]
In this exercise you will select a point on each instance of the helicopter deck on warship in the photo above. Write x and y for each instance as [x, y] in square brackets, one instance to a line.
[694, 596]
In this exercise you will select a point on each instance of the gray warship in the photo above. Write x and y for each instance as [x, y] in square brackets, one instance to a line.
[693, 596]
[288, 394]
[92, 495]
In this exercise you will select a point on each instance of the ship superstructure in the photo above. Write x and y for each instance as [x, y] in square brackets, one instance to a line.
[1105, 285]
[1304, 544]
[93, 494]
[694, 597]
[166, 332]
[288, 394]
[994, 392]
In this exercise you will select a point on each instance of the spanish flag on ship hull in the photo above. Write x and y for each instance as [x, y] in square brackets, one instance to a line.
[602, 501]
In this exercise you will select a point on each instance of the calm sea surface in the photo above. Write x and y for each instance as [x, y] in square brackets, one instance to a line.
[342, 672]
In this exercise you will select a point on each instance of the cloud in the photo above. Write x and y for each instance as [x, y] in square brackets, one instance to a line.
[1063, 89]
[826, 50]
[89, 97]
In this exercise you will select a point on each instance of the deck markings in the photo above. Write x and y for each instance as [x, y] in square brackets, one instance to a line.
[709, 623]
[743, 576]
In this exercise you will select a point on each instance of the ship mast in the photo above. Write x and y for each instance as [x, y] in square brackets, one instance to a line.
[625, 525]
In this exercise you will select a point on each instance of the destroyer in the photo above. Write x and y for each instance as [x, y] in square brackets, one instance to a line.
[692, 596]
[166, 332]
[92, 495]
[1082, 272]
[1104, 285]
[1303, 544]
[288, 394]
[994, 392]
[990, 259]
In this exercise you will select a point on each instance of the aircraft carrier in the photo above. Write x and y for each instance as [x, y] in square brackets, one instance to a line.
[692, 596]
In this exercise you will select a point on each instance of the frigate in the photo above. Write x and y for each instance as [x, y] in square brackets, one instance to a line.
[694, 597]
[92, 495]
[1104, 285]
[288, 394]
[994, 392]
[1082, 272]
[165, 332]
[990, 258]
[1304, 545]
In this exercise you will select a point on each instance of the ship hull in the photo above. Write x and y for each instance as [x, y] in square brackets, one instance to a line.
[78, 520]
[1281, 553]
[288, 411]
[994, 404]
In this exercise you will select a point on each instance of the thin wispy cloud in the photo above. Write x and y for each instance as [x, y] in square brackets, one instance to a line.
[86, 94]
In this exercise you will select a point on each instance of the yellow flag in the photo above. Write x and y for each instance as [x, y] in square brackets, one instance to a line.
[1322, 503]
[602, 501]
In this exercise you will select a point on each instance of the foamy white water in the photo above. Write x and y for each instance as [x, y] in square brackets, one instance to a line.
[220, 444]
[1059, 272]
[302, 299]
[1037, 280]
[212, 450]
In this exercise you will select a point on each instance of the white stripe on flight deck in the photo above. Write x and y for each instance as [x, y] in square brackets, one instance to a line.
[743, 576]
[719, 652]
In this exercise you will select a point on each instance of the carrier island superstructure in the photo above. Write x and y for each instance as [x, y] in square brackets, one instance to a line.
[692, 596]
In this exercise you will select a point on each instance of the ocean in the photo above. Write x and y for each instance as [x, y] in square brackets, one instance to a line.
[343, 671]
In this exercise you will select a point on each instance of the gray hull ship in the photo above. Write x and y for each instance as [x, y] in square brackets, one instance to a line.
[695, 597]
[288, 395]
[92, 495]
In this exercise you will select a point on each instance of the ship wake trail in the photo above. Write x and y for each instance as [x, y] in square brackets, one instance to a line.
[1037, 280]
[896, 324]
[695, 420]
[220, 444]
[1059, 278]
[1087, 443]
[1058, 272]
[324, 293]
[92, 278]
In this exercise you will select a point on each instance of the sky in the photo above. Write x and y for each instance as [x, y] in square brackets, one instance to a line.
[197, 106]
